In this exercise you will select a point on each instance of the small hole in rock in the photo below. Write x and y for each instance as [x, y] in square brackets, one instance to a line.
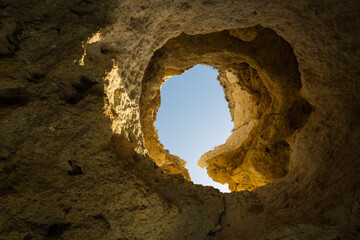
[83, 84]
[76, 170]
[104, 50]
[57, 229]
[72, 100]
[35, 77]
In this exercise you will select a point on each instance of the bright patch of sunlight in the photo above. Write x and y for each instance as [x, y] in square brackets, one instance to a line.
[95, 38]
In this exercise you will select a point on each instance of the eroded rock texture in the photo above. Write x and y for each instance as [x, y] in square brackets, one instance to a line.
[267, 110]
[79, 91]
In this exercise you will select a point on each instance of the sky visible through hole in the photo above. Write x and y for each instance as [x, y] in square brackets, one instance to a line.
[193, 118]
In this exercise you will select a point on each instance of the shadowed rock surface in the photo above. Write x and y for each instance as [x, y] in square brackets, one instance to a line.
[79, 156]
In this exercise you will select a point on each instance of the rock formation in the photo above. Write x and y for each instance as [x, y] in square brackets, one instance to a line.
[80, 88]
[266, 110]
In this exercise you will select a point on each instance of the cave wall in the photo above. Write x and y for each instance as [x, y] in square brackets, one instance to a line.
[258, 151]
[73, 162]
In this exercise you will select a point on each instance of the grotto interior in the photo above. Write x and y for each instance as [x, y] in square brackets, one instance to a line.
[80, 87]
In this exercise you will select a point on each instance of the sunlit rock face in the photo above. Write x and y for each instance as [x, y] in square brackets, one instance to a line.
[267, 110]
[79, 158]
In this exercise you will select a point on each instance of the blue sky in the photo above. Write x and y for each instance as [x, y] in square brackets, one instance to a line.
[193, 118]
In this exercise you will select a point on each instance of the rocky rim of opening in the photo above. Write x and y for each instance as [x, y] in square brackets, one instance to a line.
[259, 74]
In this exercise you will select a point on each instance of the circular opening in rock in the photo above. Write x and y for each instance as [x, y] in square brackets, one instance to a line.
[259, 74]
[194, 118]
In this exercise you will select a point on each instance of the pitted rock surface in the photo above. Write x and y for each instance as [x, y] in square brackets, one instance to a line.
[73, 76]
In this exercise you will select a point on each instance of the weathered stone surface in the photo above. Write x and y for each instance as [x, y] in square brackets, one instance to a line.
[72, 78]
[266, 110]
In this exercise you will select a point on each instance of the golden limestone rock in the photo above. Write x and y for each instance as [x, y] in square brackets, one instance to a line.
[79, 93]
